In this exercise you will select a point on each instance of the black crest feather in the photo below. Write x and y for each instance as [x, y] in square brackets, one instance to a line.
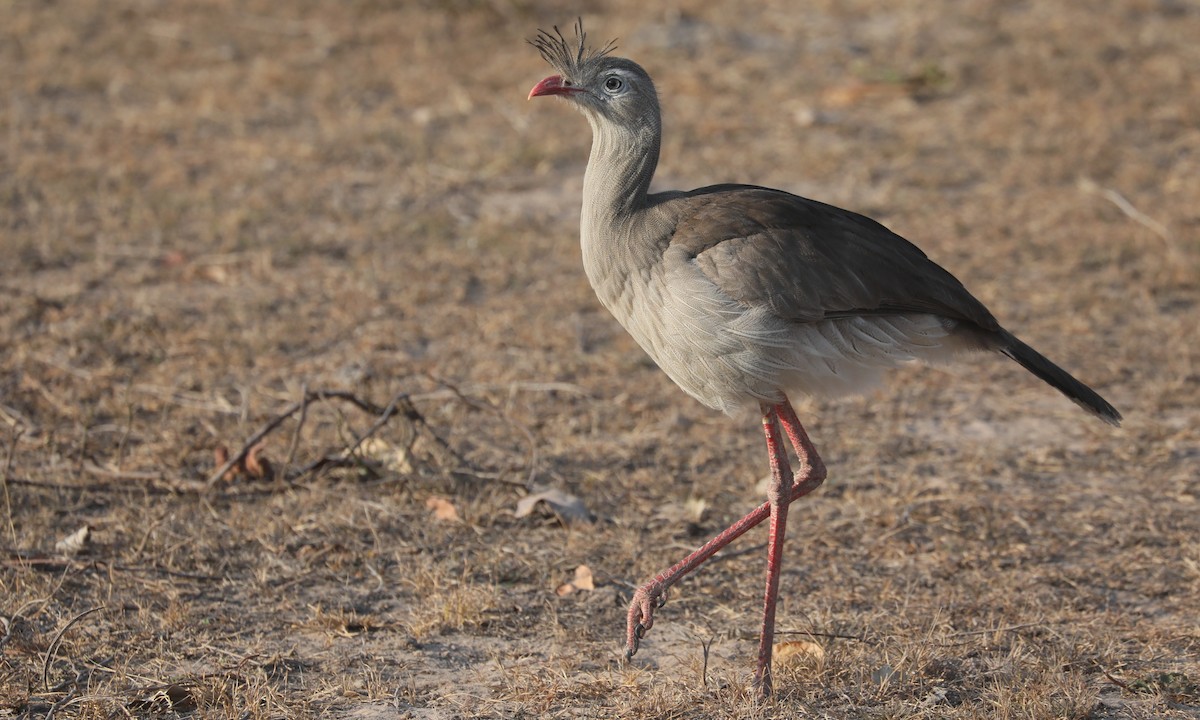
[557, 51]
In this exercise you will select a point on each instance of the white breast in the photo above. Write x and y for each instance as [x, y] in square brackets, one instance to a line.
[730, 356]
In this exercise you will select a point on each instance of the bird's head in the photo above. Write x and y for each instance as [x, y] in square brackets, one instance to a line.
[601, 86]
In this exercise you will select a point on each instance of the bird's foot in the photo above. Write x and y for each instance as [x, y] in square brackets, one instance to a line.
[646, 600]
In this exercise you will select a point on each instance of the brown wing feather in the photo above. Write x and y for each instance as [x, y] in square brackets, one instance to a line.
[808, 261]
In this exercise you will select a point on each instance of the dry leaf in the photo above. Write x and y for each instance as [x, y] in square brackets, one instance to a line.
[258, 467]
[855, 91]
[887, 674]
[694, 507]
[73, 543]
[798, 652]
[442, 508]
[169, 698]
[391, 457]
[583, 581]
[569, 508]
[583, 578]
[220, 457]
[173, 259]
[251, 466]
[689, 511]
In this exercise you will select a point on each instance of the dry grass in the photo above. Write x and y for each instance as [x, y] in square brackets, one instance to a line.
[209, 208]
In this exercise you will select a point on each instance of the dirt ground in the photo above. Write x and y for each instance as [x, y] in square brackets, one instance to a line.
[346, 217]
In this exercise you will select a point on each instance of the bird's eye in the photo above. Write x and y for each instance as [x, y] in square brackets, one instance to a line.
[613, 84]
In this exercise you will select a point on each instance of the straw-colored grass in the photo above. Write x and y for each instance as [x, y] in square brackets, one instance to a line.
[210, 209]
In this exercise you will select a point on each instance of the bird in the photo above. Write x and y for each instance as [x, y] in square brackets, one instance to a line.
[749, 297]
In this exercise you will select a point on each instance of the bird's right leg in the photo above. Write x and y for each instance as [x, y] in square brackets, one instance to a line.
[779, 498]
[652, 595]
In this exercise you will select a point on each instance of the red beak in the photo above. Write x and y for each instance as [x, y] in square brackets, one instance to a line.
[553, 85]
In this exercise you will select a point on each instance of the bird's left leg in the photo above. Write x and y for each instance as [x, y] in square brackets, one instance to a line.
[652, 595]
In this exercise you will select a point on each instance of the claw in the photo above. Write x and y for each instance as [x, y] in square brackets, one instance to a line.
[641, 616]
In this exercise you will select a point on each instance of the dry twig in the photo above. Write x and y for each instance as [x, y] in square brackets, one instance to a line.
[50, 651]
[291, 455]
[14, 436]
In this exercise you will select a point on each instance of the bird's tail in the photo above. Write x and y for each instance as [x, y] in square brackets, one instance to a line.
[1059, 379]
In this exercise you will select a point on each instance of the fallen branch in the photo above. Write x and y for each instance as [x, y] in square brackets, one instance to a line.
[401, 404]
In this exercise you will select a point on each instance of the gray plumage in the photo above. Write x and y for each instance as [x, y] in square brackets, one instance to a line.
[745, 295]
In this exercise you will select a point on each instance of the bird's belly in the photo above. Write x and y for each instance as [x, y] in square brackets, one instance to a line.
[729, 356]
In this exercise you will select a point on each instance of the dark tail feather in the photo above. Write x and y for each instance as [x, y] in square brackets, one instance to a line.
[1059, 379]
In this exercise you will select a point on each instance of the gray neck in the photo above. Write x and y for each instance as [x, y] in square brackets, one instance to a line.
[618, 176]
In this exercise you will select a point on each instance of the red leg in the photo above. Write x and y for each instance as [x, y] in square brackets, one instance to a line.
[779, 498]
[652, 595]
[812, 472]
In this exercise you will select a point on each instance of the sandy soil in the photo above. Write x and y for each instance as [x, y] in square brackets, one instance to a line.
[214, 215]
